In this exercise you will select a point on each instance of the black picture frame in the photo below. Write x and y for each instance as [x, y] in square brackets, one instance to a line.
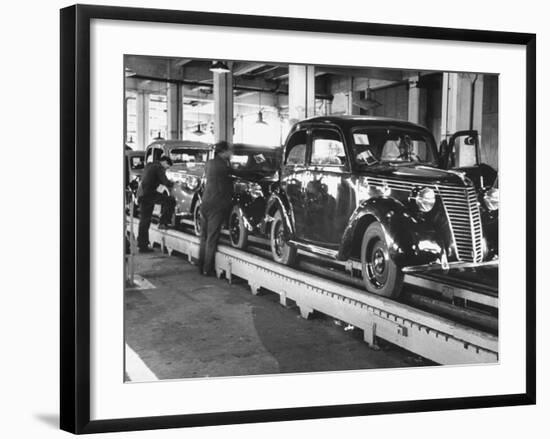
[75, 215]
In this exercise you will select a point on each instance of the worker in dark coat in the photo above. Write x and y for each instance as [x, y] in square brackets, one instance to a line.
[153, 176]
[215, 206]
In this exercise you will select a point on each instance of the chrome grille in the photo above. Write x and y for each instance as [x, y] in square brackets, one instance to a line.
[463, 213]
[462, 210]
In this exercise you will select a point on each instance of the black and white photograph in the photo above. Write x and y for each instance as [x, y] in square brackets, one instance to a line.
[296, 218]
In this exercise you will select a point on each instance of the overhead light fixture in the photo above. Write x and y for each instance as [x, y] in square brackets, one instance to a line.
[198, 131]
[159, 137]
[219, 67]
[130, 140]
[260, 119]
[128, 72]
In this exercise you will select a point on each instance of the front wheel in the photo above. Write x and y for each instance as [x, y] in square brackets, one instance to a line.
[381, 275]
[197, 218]
[280, 249]
[238, 234]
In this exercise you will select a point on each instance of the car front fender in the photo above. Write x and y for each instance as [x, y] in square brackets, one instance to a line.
[279, 202]
[411, 241]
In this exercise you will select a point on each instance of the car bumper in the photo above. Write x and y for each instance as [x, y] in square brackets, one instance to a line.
[444, 265]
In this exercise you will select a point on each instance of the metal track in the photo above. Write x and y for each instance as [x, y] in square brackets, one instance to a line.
[447, 286]
[436, 338]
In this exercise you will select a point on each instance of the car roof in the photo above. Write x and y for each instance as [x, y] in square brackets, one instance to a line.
[252, 147]
[350, 120]
[134, 152]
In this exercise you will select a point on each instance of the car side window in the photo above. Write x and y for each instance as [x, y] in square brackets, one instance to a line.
[157, 154]
[327, 148]
[296, 149]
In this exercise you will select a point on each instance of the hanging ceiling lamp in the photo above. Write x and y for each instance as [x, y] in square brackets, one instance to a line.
[260, 119]
[128, 72]
[198, 131]
[159, 137]
[219, 67]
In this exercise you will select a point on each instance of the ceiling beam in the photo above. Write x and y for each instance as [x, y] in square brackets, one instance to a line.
[244, 68]
[182, 62]
[371, 73]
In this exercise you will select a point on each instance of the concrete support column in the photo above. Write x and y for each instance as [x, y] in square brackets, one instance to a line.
[477, 120]
[223, 107]
[174, 107]
[462, 103]
[301, 92]
[125, 119]
[414, 100]
[142, 113]
[353, 96]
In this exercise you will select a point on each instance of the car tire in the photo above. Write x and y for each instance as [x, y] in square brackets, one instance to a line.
[381, 274]
[238, 233]
[281, 251]
[197, 218]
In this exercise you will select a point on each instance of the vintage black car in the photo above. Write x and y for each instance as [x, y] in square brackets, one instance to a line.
[255, 170]
[373, 189]
[189, 159]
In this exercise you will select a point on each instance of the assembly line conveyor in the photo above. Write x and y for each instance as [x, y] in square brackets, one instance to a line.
[430, 336]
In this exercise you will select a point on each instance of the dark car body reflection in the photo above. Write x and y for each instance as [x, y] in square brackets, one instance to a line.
[373, 189]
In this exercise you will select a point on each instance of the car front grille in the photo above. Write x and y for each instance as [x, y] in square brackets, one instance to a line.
[462, 210]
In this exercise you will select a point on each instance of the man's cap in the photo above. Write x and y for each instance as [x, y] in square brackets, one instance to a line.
[166, 159]
[221, 146]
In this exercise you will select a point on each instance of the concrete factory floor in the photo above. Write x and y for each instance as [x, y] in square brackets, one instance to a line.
[192, 326]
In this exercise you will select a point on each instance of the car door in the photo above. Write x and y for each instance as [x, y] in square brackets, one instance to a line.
[328, 191]
[292, 177]
[463, 153]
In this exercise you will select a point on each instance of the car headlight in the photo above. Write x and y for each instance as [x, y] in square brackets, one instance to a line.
[255, 190]
[425, 199]
[192, 182]
[491, 198]
[174, 176]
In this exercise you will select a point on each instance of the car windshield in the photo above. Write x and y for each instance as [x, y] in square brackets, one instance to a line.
[137, 161]
[189, 156]
[261, 162]
[393, 145]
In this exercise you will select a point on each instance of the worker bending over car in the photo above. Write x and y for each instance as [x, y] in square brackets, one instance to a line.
[154, 175]
[215, 205]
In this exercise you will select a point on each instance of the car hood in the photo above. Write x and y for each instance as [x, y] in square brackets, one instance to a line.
[417, 174]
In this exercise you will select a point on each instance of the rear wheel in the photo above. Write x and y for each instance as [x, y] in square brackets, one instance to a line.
[381, 275]
[280, 249]
[197, 218]
[238, 234]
